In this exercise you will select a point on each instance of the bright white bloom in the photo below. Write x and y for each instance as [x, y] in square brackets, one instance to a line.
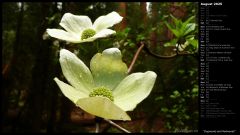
[80, 28]
[104, 90]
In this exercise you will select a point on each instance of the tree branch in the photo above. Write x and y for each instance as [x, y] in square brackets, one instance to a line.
[144, 46]
[97, 127]
[177, 53]
[117, 126]
[98, 121]
[135, 57]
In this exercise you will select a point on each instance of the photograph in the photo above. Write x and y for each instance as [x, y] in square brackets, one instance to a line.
[112, 67]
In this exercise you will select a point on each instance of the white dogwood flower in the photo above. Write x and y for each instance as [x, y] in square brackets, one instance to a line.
[80, 28]
[105, 90]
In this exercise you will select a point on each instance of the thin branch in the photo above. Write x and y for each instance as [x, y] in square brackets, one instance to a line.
[177, 53]
[135, 57]
[98, 121]
[117, 126]
[144, 46]
[159, 56]
[97, 127]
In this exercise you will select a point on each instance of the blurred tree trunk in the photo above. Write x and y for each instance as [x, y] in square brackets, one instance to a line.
[52, 93]
[122, 11]
[153, 35]
[10, 70]
[10, 67]
[178, 11]
[143, 7]
[39, 74]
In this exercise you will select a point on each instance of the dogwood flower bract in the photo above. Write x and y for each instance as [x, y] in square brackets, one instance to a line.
[104, 90]
[80, 28]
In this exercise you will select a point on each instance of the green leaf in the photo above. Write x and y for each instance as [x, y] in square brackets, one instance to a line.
[174, 31]
[140, 37]
[177, 33]
[173, 42]
[168, 25]
[186, 25]
[176, 93]
[189, 28]
[164, 109]
[159, 98]
[177, 22]
[188, 21]
[102, 107]
[181, 28]
[127, 29]
[173, 110]
[133, 89]
[108, 69]
[191, 36]
[193, 42]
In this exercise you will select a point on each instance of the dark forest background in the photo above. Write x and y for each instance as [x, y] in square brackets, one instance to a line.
[32, 102]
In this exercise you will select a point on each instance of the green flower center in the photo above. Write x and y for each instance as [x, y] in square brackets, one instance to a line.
[87, 33]
[102, 91]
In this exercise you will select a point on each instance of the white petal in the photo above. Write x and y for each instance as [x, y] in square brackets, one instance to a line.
[101, 34]
[63, 35]
[74, 23]
[108, 69]
[75, 71]
[70, 92]
[107, 21]
[113, 52]
[104, 33]
[102, 107]
[133, 89]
